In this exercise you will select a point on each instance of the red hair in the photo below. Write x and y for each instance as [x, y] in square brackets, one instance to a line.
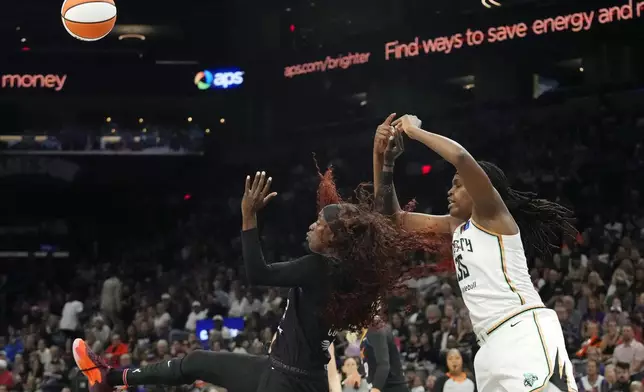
[375, 256]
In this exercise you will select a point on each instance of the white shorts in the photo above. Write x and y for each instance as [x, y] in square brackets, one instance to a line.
[525, 353]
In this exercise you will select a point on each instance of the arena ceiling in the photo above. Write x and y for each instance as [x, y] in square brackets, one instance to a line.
[186, 31]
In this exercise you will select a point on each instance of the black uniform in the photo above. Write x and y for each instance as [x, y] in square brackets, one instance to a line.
[299, 355]
[382, 361]
[300, 352]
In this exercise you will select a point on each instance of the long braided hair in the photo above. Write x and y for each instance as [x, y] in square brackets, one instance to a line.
[542, 222]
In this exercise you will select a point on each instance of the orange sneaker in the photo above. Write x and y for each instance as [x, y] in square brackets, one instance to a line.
[92, 366]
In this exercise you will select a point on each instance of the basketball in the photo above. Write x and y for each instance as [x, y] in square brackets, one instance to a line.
[89, 20]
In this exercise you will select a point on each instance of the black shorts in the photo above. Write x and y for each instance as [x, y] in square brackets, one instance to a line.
[248, 373]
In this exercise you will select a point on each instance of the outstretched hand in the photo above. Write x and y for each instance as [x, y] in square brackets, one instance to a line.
[256, 194]
[383, 132]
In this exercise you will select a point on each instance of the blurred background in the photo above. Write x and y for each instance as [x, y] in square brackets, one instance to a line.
[122, 163]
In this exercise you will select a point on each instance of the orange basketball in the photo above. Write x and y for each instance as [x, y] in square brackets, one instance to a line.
[88, 20]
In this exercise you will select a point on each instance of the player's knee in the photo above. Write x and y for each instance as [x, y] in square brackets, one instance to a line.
[191, 363]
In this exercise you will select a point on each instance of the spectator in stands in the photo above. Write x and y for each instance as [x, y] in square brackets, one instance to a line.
[456, 378]
[593, 312]
[622, 371]
[611, 376]
[570, 331]
[271, 303]
[101, 330]
[630, 351]
[195, 315]
[551, 287]
[611, 339]
[353, 381]
[6, 378]
[44, 353]
[111, 298]
[592, 381]
[621, 292]
[70, 318]
[441, 336]
[219, 331]
[115, 350]
[161, 320]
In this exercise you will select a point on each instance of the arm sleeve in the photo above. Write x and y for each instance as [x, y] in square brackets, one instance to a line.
[378, 341]
[295, 273]
[387, 201]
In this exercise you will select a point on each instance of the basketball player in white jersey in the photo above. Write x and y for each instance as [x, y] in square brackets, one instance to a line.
[522, 345]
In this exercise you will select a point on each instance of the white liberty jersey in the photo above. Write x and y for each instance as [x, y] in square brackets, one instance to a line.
[492, 273]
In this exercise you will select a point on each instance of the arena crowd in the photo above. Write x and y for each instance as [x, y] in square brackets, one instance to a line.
[144, 306]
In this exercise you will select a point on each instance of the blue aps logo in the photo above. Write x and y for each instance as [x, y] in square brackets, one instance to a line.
[220, 79]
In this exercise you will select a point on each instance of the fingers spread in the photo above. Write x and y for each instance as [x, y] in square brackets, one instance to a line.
[260, 185]
[267, 186]
[253, 187]
[269, 197]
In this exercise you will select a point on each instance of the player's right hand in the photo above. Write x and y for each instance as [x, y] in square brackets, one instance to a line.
[383, 132]
[409, 124]
[395, 148]
[256, 194]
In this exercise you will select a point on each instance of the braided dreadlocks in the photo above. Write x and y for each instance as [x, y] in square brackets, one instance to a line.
[541, 221]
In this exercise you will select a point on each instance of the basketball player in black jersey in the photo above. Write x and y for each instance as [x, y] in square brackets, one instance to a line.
[382, 360]
[356, 259]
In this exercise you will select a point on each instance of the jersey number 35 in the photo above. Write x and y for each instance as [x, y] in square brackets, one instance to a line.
[461, 269]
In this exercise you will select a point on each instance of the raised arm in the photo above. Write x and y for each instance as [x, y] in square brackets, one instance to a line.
[332, 372]
[300, 272]
[296, 273]
[380, 143]
[487, 201]
[388, 146]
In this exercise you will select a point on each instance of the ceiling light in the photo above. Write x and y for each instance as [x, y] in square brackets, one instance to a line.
[132, 36]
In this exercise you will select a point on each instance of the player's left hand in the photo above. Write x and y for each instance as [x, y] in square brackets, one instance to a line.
[408, 124]
[256, 194]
